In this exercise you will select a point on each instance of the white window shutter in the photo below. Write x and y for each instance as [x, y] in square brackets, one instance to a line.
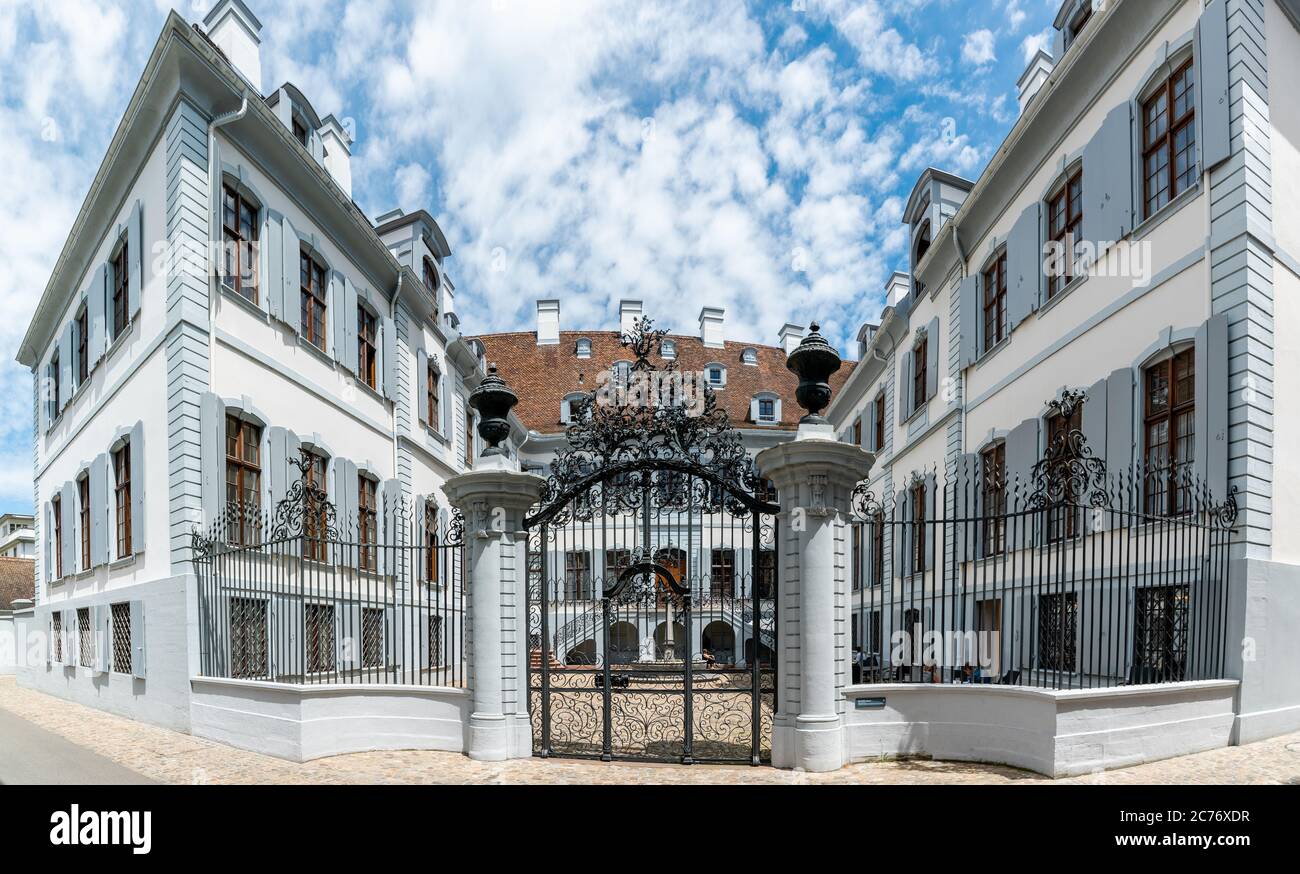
[137, 640]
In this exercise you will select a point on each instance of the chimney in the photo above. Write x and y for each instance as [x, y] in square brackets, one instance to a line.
[1040, 67]
[629, 313]
[548, 322]
[338, 152]
[711, 326]
[789, 337]
[897, 288]
[235, 30]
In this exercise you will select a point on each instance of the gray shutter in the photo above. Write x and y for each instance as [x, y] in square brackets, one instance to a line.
[272, 243]
[391, 529]
[95, 315]
[68, 510]
[1211, 441]
[338, 306]
[444, 402]
[932, 359]
[1119, 428]
[1024, 266]
[898, 520]
[136, 259]
[969, 324]
[903, 394]
[316, 146]
[345, 492]
[349, 317]
[1108, 179]
[66, 387]
[136, 450]
[932, 544]
[99, 626]
[963, 506]
[290, 249]
[389, 363]
[422, 377]
[1058, 44]
[283, 447]
[137, 640]
[1094, 437]
[1021, 455]
[212, 452]
[47, 534]
[98, 510]
[1212, 68]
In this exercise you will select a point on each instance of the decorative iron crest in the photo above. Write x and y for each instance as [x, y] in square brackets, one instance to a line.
[641, 341]
[305, 507]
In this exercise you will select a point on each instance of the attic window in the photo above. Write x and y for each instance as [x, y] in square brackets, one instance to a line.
[716, 374]
[922, 241]
[583, 349]
[300, 132]
[1081, 18]
[668, 349]
[749, 356]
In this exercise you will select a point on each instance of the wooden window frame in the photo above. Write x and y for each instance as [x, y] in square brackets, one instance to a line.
[722, 572]
[917, 496]
[315, 526]
[878, 548]
[1065, 207]
[83, 511]
[469, 440]
[1163, 495]
[55, 374]
[994, 329]
[919, 365]
[367, 343]
[431, 543]
[1165, 142]
[855, 555]
[993, 499]
[314, 306]
[857, 432]
[121, 290]
[246, 466]
[239, 247]
[433, 384]
[879, 424]
[1064, 520]
[770, 415]
[577, 575]
[122, 498]
[367, 523]
[83, 346]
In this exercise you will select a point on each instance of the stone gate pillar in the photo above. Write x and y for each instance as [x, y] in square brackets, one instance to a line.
[494, 497]
[814, 475]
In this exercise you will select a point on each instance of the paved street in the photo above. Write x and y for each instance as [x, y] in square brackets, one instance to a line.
[49, 740]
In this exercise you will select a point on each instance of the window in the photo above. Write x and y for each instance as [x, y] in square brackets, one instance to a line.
[616, 561]
[993, 498]
[431, 543]
[857, 432]
[766, 573]
[749, 356]
[239, 239]
[879, 421]
[716, 375]
[577, 576]
[435, 641]
[583, 348]
[668, 349]
[56, 631]
[372, 637]
[54, 388]
[1169, 140]
[722, 573]
[1063, 518]
[1082, 17]
[247, 637]
[243, 480]
[432, 283]
[83, 498]
[856, 554]
[995, 302]
[315, 525]
[433, 385]
[319, 622]
[621, 374]
[121, 615]
[1064, 227]
[366, 345]
[918, 376]
[1058, 618]
[56, 508]
[367, 528]
[878, 549]
[918, 527]
[1169, 423]
[300, 132]
[85, 638]
[1160, 633]
[83, 355]
[469, 440]
[121, 293]
[766, 410]
[922, 241]
[311, 278]
[122, 498]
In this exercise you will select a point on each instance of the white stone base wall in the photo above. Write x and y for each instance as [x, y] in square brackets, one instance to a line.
[301, 723]
[8, 645]
[1055, 733]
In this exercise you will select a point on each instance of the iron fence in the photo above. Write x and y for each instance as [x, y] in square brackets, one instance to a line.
[302, 596]
[1072, 577]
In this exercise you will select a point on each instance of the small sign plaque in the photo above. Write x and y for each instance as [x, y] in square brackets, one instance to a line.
[868, 703]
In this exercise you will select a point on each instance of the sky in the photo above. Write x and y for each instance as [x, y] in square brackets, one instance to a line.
[751, 155]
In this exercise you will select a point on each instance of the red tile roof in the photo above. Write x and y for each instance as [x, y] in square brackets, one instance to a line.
[17, 580]
[543, 376]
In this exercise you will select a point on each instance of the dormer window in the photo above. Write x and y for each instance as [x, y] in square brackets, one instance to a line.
[1081, 18]
[300, 132]
[668, 349]
[570, 406]
[749, 356]
[583, 349]
[430, 275]
[621, 372]
[716, 375]
[922, 241]
[765, 408]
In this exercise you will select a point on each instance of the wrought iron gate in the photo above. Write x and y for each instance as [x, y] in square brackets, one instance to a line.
[652, 582]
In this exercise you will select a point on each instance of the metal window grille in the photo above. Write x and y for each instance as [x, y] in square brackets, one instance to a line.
[122, 638]
[247, 637]
[1160, 633]
[86, 637]
[1058, 620]
[372, 637]
[58, 637]
[435, 641]
[319, 621]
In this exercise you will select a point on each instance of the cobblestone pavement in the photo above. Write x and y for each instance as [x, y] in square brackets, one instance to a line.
[171, 757]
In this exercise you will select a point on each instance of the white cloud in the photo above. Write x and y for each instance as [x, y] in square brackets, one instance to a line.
[1015, 15]
[978, 48]
[1030, 45]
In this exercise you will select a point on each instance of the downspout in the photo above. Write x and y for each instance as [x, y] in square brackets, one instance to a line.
[392, 315]
[213, 211]
[961, 254]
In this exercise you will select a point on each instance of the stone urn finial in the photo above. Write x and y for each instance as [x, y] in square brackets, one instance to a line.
[813, 361]
[493, 400]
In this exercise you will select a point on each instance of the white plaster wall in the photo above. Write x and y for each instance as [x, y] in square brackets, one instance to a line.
[1053, 733]
[8, 645]
[307, 722]
[1286, 416]
[1284, 139]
